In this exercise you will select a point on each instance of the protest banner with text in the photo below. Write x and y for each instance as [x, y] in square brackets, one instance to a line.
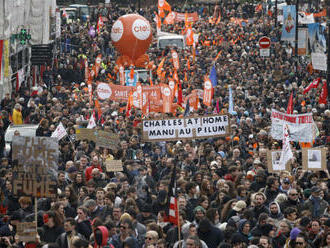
[35, 166]
[186, 128]
[300, 126]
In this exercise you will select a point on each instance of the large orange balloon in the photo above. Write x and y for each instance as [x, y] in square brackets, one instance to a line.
[131, 35]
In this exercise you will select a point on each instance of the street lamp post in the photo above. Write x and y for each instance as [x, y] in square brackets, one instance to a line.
[296, 38]
[275, 13]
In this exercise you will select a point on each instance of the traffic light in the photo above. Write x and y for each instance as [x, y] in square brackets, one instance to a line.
[23, 36]
[41, 54]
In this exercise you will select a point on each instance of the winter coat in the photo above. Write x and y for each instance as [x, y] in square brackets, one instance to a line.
[17, 117]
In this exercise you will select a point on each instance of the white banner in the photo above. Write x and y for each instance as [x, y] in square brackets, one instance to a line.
[59, 132]
[319, 61]
[300, 126]
[186, 128]
[286, 153]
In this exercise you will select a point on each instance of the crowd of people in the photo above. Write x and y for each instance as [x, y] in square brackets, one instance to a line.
[226, 196]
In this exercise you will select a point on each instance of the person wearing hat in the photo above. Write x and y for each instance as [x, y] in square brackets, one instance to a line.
[237, 209]
[260, 180]
[315, 203]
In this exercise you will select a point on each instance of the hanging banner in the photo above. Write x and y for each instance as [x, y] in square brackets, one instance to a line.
[289, 23]
[191, 17]
[305, 18]
[1, 49]
[316, 38]
[300, 126]
[185, 128]
[317, 46]
[6, 58]
[319, 61]
[302, 42]
[118, 93]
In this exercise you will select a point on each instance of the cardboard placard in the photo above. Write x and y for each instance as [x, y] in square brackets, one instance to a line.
[26, 231]
[35, 166]
[101, 138]
[114, 165]
[273, 159]
[314, 159]
[200, 127]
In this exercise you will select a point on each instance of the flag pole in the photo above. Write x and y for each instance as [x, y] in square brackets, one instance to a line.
[178, 214]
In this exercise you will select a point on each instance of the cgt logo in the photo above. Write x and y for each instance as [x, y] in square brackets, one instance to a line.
[141, 29]
[104, 91]
[117, 31]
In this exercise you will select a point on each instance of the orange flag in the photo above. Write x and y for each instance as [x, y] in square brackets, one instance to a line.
[167, 98]
[189, 36]
[170, 18]
[158, 21]
[175, 59]
[131, 73]
[163, 5]
[218, 55]
[160, 67]
[129, 104]
[322, 13]
[139, 93]
[150, 81]
[90, 92]
[188, 63]
[97, 65]
[121, 75]
[172, 86]
[175, 76]
[194, 52]
[186, 23]
[258, 8]
[207, 95]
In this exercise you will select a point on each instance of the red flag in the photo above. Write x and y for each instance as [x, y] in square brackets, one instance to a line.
[313, 84]
[100, 24]
[180, 99]
[289, 109]
[173, 211]
[324, 93]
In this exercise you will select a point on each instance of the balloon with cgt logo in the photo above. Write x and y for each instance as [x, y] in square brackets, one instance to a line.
[132, 35]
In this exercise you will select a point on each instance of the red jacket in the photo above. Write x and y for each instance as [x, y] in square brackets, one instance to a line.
[89, 169]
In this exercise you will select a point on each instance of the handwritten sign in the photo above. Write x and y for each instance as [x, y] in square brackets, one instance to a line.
[113, 165]
[101, 138]
[35, 166]
[186, 128]
[26, 231]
